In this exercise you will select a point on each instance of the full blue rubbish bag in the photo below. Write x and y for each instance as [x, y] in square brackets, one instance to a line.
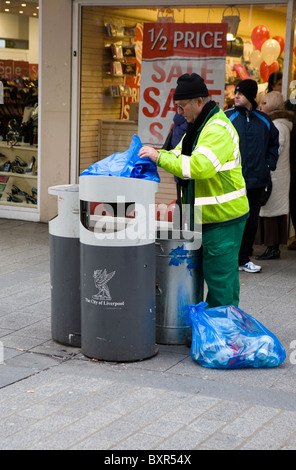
[127, 164]
[228, 338]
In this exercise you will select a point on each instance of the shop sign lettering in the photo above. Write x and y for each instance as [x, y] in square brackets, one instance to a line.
[15, 69]
[170, 50]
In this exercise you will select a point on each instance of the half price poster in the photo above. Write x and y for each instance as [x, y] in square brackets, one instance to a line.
[169, 51]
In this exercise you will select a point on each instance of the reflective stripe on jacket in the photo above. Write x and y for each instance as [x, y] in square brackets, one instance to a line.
[215, 166]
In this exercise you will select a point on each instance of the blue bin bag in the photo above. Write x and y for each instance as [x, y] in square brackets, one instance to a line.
[126, 164]
[228, 338]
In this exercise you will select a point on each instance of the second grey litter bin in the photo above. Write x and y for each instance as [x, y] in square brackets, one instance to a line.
[117, 269]
[179, 282]
[65, 267]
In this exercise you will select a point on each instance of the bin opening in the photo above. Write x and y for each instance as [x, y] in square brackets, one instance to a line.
[107, 217]
[113, 209]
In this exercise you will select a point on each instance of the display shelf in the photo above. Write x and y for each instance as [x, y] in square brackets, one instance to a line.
[18, 186]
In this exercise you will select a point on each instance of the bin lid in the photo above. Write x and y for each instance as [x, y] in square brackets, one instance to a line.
[64, 187]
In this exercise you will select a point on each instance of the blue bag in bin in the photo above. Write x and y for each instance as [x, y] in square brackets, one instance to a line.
[127, 164]
[228, 338]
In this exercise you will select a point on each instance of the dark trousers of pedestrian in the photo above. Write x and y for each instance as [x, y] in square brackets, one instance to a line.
[272, 231]
[255, 197]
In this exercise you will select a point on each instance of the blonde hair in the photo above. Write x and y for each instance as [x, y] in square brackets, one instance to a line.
[274, 100]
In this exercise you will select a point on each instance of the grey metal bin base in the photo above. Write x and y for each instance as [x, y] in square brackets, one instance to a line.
[65, 290]
[179, 282]
[65, 267]
[118, 315]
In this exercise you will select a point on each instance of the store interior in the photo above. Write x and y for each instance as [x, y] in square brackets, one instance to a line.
[19, 49]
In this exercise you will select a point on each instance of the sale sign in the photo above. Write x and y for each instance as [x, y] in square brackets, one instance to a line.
[169, 51]
[16, 69]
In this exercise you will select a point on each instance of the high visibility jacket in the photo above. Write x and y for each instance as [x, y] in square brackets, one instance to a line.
[215, 165]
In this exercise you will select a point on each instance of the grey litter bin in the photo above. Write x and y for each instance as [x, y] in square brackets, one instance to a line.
[65, 266]
[179, 282]
[117, 268]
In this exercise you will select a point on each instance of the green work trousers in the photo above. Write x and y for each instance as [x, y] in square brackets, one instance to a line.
[221, 247]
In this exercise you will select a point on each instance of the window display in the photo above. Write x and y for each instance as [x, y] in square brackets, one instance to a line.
[18, 175]
[255, 48]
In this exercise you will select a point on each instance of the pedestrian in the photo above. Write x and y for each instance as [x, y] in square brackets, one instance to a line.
[292, 195]
[259, 146]
[208, 159]
[275, 82]
[273, 217]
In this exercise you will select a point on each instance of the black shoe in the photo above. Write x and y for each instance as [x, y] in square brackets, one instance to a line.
[16, 190]
[269, 253]
[31, 165]
[6, 166]
[12, 198]
[15, 168]
[20, 161]
[31, 199]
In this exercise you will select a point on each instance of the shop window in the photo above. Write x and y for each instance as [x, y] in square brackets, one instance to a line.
[110, 80]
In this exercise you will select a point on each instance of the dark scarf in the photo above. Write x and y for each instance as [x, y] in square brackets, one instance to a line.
[192, 134]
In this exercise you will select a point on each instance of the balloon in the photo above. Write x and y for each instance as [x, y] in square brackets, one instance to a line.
[270, 51]
[256, 58]
[267, 70]
[259, 35]
[281, 42]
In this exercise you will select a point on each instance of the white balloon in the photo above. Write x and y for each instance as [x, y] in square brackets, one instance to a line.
[256, 58]
[270, 51]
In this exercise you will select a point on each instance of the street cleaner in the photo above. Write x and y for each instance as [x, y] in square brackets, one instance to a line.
[207, 162]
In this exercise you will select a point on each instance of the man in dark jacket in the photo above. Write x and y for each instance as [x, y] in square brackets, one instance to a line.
[259, 148]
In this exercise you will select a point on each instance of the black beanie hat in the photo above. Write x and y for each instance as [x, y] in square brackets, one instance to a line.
[248, 88]
[190, 86]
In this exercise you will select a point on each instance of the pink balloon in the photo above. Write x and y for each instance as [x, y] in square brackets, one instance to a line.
[259, 35]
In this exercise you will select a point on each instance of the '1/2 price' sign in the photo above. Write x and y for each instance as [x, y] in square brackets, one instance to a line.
[169, 50]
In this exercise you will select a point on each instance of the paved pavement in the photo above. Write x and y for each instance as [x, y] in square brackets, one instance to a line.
[53, 397]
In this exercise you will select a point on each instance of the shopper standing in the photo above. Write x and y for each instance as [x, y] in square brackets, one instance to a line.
[259, 147]
[273, 219]
[208, 158]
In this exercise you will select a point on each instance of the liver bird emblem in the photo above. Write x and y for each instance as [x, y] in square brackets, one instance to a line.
[101, 278]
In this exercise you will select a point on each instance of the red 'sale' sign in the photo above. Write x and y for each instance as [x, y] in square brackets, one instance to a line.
[13, 69]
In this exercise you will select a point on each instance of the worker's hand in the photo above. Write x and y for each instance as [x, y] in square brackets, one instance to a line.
[149, 152]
